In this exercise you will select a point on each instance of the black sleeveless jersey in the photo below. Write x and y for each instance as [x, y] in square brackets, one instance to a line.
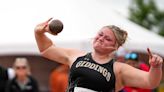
[86, 73]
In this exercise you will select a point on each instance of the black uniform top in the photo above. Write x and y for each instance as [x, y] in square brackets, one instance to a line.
[3, 78]
[86, 73]
[13, 86]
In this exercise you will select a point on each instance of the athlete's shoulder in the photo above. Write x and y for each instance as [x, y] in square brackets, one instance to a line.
[77, 54]
[118, 66]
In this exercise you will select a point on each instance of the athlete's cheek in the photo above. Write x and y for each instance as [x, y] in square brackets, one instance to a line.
[96, 38]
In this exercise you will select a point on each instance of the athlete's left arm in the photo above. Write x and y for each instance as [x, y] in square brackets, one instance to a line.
[137, 78]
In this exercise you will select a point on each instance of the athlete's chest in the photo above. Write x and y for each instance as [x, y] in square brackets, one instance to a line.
[87, 69]
[88, 74]
[92, 71]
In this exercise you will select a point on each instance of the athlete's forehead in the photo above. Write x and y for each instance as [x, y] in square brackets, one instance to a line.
[106, 32]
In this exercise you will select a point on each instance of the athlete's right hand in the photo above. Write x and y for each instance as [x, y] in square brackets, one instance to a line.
[43, 27]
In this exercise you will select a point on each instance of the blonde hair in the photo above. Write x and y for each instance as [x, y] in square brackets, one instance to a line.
[22, 62]
[121, 35]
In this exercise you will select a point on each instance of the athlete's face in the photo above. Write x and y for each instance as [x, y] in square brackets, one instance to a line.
[105, 41]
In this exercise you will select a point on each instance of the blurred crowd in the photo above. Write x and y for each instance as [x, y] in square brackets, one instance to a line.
[18, 78]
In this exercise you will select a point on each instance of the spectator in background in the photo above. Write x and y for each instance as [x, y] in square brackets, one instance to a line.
[59, 79]
[5, 75]
[23, 81]
[133, 60]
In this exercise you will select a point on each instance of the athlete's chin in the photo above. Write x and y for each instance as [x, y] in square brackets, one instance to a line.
[99, 49]
[97, 46]
[103, 50]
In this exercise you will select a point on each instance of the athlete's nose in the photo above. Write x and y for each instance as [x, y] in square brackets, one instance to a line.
[101, 38]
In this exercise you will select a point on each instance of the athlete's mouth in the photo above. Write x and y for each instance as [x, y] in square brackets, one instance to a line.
[100, 42]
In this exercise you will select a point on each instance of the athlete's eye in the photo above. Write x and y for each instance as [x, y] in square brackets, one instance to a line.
[100, 34]
[108, 38]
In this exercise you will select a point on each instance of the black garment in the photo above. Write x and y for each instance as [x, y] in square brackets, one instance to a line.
[31, 86]
[3, 79]
[86, 73]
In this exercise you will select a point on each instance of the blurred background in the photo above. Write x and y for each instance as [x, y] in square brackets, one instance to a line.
[82, 19]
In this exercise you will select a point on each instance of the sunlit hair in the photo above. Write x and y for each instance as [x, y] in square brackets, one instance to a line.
[22, 62]
[121, 35]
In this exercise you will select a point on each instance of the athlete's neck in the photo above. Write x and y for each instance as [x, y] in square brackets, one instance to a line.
[101, 58]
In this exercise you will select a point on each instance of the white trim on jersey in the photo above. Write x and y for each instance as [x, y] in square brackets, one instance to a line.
[80, 89]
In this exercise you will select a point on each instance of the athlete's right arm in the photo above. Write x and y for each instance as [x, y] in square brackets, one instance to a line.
[50, 51]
